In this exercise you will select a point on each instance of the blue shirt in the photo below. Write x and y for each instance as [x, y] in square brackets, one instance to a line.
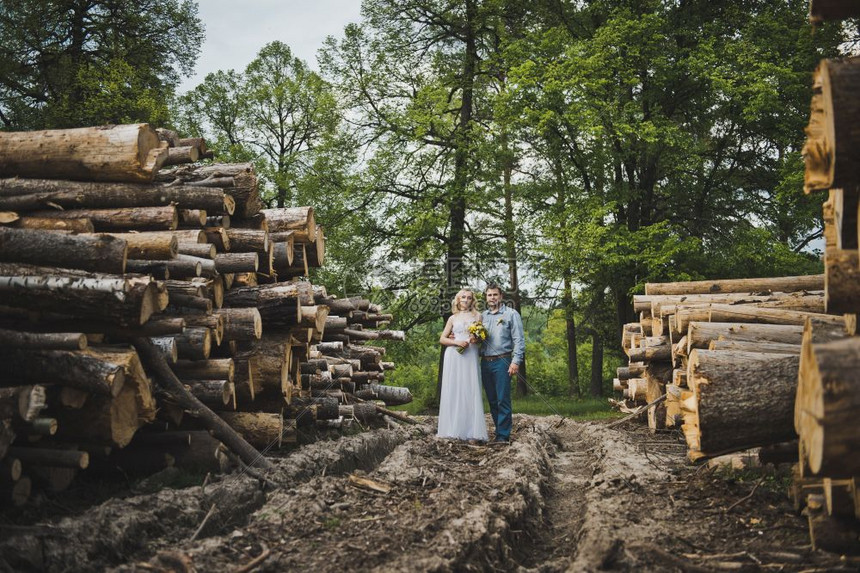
[504, 334]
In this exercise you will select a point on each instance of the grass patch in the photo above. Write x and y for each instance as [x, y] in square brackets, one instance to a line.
[539, 405]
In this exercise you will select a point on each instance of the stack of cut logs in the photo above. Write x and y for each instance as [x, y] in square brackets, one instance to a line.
[827, 410]
[721, 361]
[116, 273]
[747, 363]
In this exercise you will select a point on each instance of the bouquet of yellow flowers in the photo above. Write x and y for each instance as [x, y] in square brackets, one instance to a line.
[477, 330]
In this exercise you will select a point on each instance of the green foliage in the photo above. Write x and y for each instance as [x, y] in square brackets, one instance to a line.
[75, 63]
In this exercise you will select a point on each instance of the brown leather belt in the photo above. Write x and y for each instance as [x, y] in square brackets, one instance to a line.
[497, 357]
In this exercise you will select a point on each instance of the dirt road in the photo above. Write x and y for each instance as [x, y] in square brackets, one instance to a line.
[564, 496]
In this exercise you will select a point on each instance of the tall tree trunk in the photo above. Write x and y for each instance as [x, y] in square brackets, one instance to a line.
[509, 227]
[454, 261]
[596, 386]
[570, 331]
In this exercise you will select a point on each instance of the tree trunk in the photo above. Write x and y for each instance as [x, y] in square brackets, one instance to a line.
[780, 284]
[735, 409]
[829, 151]
[237, 179]
[47, 248]
[821, 10]
[596, 386]
[700, 334]
[22, 195]
[106, 153]
[122, 219]
[828, 406]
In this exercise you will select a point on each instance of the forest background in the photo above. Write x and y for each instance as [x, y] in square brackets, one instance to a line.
[571, 151]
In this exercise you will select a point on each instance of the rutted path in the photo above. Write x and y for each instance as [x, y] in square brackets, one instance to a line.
[564, 496]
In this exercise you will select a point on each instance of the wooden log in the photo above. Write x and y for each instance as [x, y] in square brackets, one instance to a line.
[22, 402]
[291, 219]
[89, 370]
[700, 334]
[651, 354]
[829, 155]
[754, 346]
[654, 303]
[273, 355]
[237, 262]
[194, 343]
[391, 395]
[186, 266]
[212, 369]
[82, 225]
[237, 179]
[149, 246]
[218, 393]
[168, 381]
[259, 429]
[749, 313]
[779, 284]
[43, 340]
[122, 219]
[24, 195]
[631, 371]
[734, 409]
[183, 154]
[842, 280]
[199, 250]
[248, 240]
[89, 253]
[828, 406]
[282, 256]
[241, 323]
[168, 348]
[107, 153]
[51, 457]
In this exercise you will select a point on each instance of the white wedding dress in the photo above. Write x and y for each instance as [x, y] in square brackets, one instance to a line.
[461, 409]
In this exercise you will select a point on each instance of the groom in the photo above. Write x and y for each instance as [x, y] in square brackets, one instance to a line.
[501, 356]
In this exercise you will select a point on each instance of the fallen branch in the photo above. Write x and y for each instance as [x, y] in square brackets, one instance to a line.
[155, 362]
[743, 499]
[252, 564]
[637, 412]
[386, 411]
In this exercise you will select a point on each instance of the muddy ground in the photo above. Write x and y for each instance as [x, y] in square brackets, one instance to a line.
[564, 496]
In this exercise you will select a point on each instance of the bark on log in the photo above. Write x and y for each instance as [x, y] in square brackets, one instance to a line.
[237, 179]
[842, 281]
[199, 250]
[748, 313]
[259, 429]
[212, 369]
[23, 195]
[122, 219]
[779, 284]
[391, 395]
[291, 219]
[168, 381]
[241, 323]
[237, 262]
[831, 144]
[82, 225]
[22, 402]
[51, 457]
[700, 334]
[88, 370]
[753, 346]
[107, 153]
[180, 155]
[149, 246]
[735, 410]
[90, 253]
[248, 240]
[43, 340]
[828, 406]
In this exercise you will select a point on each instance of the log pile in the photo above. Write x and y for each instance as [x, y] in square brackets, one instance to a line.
[138, 299]
[826, 407]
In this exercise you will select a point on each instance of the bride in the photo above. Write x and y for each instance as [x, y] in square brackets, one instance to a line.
[461, 409]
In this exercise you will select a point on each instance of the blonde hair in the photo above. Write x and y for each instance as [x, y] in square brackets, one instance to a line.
[455, 308]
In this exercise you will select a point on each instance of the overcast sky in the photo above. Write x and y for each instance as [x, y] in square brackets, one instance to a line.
[237, 29]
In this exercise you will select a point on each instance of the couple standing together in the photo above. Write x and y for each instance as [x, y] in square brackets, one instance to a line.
[468, 364]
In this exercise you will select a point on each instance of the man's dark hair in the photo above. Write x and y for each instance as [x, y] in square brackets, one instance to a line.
[494, 286]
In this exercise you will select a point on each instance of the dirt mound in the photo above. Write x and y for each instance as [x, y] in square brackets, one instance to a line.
[564, 496]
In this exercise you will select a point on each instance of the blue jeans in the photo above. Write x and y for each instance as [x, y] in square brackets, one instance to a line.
[497, 385]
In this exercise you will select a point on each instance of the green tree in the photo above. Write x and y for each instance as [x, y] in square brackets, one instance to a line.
[67, 63]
